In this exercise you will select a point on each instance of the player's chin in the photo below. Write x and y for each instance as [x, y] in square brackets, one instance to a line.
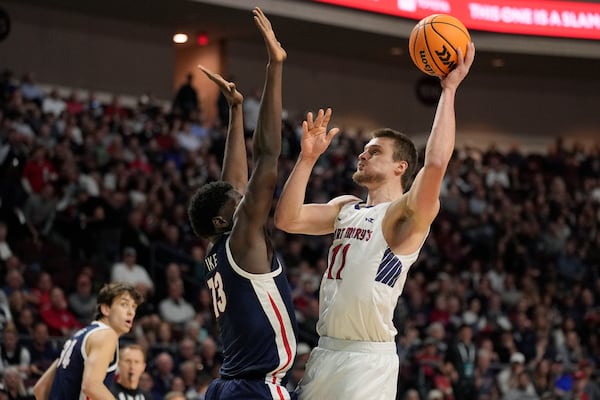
[361, 178]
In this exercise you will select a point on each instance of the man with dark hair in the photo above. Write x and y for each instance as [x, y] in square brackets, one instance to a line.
[251, 295]
[375, 241]
[132, 364]
[89, 358]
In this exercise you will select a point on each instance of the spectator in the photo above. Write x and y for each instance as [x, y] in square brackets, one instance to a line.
[128, 271]
[584, 383]
[186, 352]
[13, 353]
[41, 293]
[5, 250]
[485, 375]
[5, 314]
[60, 321]
[461, 356]
[186, 99]
[83, 301]
[146, 384]
[31, 90]
[43, 350]
[39, 211]
[14, 385]
[521, 390]
[162, 376]
[25, 321]
[38, 171]
[508, 378]
[53, 104]
[251, 107]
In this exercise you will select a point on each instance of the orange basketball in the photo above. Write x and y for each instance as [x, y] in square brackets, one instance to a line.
[434, 42]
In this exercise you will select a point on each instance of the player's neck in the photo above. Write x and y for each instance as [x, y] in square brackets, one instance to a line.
[105, 321]
[384, 194]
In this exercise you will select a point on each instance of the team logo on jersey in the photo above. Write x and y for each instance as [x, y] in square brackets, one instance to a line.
[389, 269]
[353, 233]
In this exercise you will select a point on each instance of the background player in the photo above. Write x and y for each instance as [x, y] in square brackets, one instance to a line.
[375, 242]
[250, 292]
[89, 358]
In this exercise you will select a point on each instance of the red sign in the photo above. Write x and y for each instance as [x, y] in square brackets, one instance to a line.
[541, 18]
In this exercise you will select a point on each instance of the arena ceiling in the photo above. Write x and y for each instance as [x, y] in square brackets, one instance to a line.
[303, 25]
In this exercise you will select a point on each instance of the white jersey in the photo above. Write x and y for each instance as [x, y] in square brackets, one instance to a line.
[364, 279]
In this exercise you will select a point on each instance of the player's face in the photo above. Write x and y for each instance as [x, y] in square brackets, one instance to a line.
[228, 209]
[121, 313]
[375, 163]
[131, 365]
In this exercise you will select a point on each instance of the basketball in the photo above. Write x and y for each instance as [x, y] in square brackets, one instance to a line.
[434, 42]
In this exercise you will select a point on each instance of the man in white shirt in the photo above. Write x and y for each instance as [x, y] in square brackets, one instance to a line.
[175, 309]
[130, 272]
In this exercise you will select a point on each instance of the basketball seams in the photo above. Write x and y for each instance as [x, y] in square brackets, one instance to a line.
[431, 57]
[467, 36]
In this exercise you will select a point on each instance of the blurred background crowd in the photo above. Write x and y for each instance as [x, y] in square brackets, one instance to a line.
[503, 303]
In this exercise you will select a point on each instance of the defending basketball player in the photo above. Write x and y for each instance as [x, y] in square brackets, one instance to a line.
[89, 358]
[251, 295]
[374, 244]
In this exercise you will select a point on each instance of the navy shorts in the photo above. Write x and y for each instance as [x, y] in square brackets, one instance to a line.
[236, 389]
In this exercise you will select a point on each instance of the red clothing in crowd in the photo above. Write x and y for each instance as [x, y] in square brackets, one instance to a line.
[60, 322]
[38, 173]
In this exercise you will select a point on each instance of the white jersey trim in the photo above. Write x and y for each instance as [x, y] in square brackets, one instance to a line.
[101, 326]
[248, 275]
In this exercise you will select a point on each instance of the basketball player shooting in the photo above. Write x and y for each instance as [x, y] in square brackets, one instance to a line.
[251, 295]
[375, 241]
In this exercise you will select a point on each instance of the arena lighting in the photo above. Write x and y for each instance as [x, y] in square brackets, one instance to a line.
[567, 19]
[202, 39]
[180, 38]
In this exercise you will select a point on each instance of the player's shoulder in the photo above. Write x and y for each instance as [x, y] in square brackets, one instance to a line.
[102, 335]
[341, 201]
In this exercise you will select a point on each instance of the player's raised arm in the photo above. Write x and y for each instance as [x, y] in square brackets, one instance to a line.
[235, 165]
[100, 348]
[291, 214]
[422, 200]
[254, 209]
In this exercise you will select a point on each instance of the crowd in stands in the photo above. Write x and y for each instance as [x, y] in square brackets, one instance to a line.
[503, 303]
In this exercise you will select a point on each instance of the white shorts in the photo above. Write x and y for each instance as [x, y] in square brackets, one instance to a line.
[350, 370]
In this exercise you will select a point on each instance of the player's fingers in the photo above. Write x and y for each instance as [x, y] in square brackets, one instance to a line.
[309, 120]
[331, 134]
[319, 120]
[470, 53]
[327, 116]
[205, 70]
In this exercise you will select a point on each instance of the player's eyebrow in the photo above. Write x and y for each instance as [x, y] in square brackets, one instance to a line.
[374, 145]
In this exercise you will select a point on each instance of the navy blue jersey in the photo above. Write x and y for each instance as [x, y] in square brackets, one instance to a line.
[69, 370]
[255, 316]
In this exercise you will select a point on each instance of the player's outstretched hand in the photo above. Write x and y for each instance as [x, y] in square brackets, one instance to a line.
[233, 96]
[274, 49]
[455, 77]
[315, 137]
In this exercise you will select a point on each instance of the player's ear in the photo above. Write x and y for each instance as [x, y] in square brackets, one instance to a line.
[104, 309]
[219, 222]
[401, 167]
